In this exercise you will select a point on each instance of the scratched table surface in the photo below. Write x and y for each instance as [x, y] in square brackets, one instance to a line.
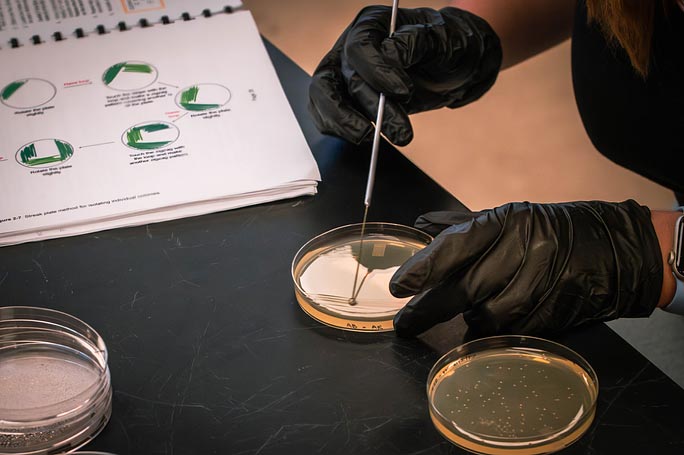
[210, 353]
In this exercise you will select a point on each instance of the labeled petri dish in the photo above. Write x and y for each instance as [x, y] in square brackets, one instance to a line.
[56, 391]
[512, 395]
[343, 281]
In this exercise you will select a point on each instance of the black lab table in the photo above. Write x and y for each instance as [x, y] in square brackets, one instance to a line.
[210, 353]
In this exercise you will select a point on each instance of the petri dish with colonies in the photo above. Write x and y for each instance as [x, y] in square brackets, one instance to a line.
[55, 393]
[512, 395]
[342, 280]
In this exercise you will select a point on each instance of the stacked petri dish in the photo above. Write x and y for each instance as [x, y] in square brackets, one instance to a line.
[341, 278]
[512, 395]
[55, 393]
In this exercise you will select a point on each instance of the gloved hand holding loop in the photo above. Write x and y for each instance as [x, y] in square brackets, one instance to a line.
[434, 59]
[532, 268]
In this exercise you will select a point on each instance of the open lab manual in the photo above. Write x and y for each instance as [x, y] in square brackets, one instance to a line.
[122, 128]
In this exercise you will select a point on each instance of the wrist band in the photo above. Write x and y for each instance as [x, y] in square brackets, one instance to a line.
[676, 306]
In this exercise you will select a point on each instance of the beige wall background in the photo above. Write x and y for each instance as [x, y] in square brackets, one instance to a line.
[522, 141]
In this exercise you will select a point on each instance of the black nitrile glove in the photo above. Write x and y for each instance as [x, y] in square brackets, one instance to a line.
[434, 59]
[532, 268]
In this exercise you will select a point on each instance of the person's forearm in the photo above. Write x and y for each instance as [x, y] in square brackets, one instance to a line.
[664, 222]
[525, 27]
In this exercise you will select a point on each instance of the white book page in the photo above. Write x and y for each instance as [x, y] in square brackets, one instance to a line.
[21, 19]
[137, 121]
[183, 211]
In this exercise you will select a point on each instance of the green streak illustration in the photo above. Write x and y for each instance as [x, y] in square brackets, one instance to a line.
[65, 150]
[112, 72]
[27, 154]
[44, 160]
[190, 95]
[154, 127]
[134, 136]
[198, 107]
[11, 88]
[188, 98]
[137, 68]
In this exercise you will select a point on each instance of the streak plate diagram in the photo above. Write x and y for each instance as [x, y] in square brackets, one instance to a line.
[27, 93]
[44, 153]
[150, 135]
[203, 97]
[129, 75]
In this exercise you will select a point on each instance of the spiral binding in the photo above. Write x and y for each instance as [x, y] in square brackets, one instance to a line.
[102, 30]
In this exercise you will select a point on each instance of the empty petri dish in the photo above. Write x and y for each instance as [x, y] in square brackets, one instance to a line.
[343, 281]
[512, 395]
[56, 392]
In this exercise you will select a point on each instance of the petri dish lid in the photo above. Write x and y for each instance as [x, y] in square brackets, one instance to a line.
[325, 277]
[512, 395]
[56, 390]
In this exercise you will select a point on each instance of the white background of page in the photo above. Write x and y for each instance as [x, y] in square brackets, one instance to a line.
[256, 146]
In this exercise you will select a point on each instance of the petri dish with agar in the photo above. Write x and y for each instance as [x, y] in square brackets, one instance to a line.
[328, 287]
[514, 395]
[56, 391]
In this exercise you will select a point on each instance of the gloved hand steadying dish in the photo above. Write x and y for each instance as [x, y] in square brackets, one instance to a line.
[434, 59]
[532, 268]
